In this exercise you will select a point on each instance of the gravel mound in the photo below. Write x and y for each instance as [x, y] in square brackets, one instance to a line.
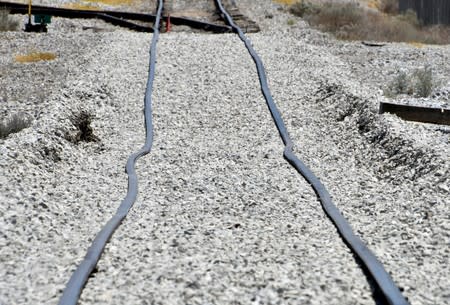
[221, 218]
[56, 193]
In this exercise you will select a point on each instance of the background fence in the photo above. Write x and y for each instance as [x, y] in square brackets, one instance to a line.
[429, 11]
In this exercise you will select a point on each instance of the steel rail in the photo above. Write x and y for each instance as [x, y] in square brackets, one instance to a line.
[376, 270]
[79, 278]
[124, 23]
[433, 115]
[19, 8]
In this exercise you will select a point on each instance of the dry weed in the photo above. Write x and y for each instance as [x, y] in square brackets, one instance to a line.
[350, 21]
[34, 57]
[388, 6]
[304, 8]
[286, 2]
[81, 6]
[373, 4]
[332, 17]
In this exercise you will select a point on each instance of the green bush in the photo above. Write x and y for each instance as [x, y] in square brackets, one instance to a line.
[420, 83]
[423, 82]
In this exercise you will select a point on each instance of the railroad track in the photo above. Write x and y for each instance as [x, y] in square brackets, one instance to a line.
[381, 279]
[119, 18]
[138, 21]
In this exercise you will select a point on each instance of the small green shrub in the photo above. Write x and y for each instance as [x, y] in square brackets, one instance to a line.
[14, 124]
[420, 83]
[6, 22]
[423, 82]
[399, 85]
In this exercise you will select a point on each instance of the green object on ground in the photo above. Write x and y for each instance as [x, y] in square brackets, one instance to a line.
[42, 19]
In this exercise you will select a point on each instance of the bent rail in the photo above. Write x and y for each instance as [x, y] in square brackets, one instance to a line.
[383, 280]
[79, 278]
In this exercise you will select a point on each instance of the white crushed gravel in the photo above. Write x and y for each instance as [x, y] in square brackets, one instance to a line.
[221, 218]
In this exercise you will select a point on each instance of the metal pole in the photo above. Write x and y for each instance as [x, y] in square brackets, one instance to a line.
[29, 12]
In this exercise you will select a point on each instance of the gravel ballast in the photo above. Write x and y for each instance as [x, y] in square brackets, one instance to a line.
[221, 218]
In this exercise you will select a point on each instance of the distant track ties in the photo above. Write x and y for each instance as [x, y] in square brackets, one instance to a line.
[375, 269]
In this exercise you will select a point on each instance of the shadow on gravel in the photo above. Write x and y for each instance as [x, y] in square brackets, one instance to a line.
[398, 155]
[377, 295]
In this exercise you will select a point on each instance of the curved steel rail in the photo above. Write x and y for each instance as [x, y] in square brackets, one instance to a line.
[374, 267]
[79, 278]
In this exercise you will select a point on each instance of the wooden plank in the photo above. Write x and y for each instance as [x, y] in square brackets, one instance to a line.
[417, 114]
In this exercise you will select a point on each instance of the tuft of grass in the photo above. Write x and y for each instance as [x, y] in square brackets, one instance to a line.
[420, 83]
[399, 85]
[351, 21]
[423, 82]
[83, 130]
[291, 22]
[6, 22]
[14, 124]
[34, 57]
